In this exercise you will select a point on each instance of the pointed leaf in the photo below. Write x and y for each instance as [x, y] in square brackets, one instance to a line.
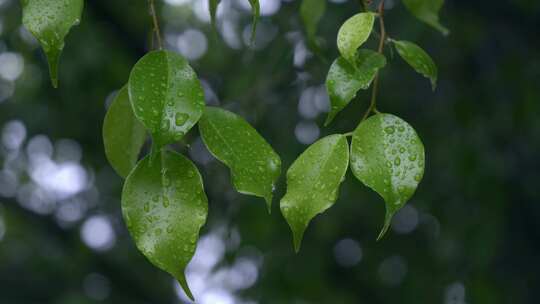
[427, 11]
[166, 95]
[123, 134]
[164, 207]
[50, 21]
[313, 183]
[388, 156]
[353, 33]
[213, 6]
[418, 59]
[345, 80]
[256, 11]
[311, 12]
[254, 165]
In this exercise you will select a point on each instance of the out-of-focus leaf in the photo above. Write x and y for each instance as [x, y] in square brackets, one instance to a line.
[254, 165]
[313, 183]
[213, 6]
[418, 59]
[123, 134]
[428, 12]
[256, 11]
[388, 156]
[50, 21]
[164, 207]
[344, 79]
[353, 33]
[311, 12]
[166, 95]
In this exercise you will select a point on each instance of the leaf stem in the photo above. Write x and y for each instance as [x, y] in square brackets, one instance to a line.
[156, 23]
[382, 39]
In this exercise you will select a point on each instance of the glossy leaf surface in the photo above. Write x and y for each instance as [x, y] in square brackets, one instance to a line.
[50, 21]
[256, 11]
[311, 12]
[164, 207]
[254, 165]
[166, 95]
[313, 183]
[353, 33]
[418, 59]
[428, 12]
[344, 80]
[388, 156]
[123, 134]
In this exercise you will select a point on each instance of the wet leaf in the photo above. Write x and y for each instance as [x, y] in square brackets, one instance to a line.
[123, 134]
[50, 21]
[353, 33]
[388, 156]
[344, 80]
[164, 207]
[213, 6]
[311, 12]
[256, 11]
[254, 165]
[166, 95]
[313, 183]
[428, 12]
[418, 59]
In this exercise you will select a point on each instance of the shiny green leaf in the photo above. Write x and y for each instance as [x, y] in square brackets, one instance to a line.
[427, 11]
[166, 95]
[344, 80]
[256, 11]
[311, 12]
[353, 33]
[254, 165]
[418, 59]
[388, 156]
[313, 183]
[50, 21]
[213, 6]
[164, 207]
[123, 134]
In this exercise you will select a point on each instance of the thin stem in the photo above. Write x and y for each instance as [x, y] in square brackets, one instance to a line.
[373, 104]
[156, 23]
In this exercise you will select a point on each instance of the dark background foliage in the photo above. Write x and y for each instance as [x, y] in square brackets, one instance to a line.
[470, 234]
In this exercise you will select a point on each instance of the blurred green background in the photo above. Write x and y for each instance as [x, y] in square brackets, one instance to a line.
[471, 234]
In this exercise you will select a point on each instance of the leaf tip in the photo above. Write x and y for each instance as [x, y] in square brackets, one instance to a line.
[183, 283]
[387, 223]
[297, 240]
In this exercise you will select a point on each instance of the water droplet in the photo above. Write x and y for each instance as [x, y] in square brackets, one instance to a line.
[166, 201]
[389, 130]
[180, 119]
[146, 207]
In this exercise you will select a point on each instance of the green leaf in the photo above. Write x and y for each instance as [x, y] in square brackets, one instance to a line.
[213, 5]
[353, 33]
[313, 183]
[427, 11]
[418, 59]
[345, 80]
[256, 11]
[123, 134]
[311, 12]
[166, 95]
[255, 167]
[50, 21]
[164, 207]
[388, 156]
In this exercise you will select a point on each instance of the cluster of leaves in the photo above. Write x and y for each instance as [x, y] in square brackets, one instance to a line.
[385, 154]
[163, 200]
